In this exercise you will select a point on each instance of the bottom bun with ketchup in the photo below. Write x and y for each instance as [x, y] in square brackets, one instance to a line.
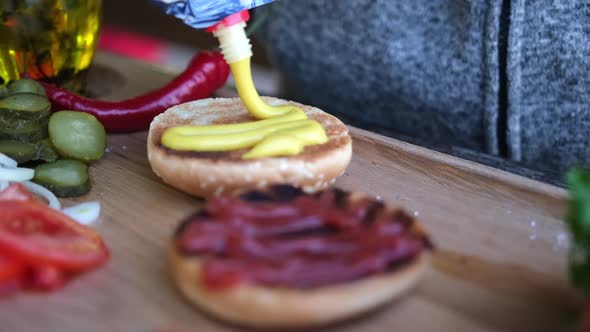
[281, 258]
[212, 173]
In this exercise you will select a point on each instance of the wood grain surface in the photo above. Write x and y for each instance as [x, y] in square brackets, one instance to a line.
[499, 265]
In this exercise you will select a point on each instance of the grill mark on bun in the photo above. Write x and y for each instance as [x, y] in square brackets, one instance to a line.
[256, 196]
[275, 193]
[316, 232]
[340, 198]
[200, 214]
[375, 208]
[402, 217]
[285, 193]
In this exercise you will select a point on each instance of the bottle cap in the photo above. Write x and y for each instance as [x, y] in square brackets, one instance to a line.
[233, 19]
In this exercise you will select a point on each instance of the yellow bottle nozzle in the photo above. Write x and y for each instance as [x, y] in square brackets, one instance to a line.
[237, 52]
[235, 44]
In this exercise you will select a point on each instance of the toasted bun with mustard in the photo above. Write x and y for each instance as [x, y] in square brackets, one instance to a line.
[270, 306]
[206, 174]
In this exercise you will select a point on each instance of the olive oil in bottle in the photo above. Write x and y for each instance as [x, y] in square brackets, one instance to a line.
[49, 40]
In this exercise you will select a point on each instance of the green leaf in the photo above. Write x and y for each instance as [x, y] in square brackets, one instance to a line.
[578, 221]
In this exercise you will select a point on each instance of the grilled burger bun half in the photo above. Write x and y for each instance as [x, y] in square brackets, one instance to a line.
[206, 174]
[273, 307]
[260, 305]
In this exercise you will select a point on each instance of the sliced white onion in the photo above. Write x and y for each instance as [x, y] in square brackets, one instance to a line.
[43, 192]
[19, 174]
[84, 213]
[6, 161]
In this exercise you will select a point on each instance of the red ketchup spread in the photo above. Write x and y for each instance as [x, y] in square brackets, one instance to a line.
[283, 237]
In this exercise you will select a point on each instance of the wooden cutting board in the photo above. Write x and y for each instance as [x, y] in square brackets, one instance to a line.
[499, 265]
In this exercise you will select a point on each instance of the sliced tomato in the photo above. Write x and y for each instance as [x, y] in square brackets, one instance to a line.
[41, 236]
[11, 274]
[45, 278]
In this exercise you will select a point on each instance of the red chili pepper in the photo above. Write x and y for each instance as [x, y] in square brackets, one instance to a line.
[206, 72]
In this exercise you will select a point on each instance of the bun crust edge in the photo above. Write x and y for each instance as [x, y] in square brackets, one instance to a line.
[268, 307]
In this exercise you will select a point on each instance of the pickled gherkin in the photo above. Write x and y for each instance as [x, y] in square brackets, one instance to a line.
[24, 115]
[28, 106]
[24, 135]
[25, 86]
[77, 135]
[46, 151]
[64, 177]
[19, 151]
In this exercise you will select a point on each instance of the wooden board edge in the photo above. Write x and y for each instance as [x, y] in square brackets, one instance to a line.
[463, 164]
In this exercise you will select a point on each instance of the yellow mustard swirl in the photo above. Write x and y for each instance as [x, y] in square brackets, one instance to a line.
[280, 130]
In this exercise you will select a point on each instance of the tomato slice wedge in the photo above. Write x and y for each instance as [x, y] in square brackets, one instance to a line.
[11, 274]
[41, 236]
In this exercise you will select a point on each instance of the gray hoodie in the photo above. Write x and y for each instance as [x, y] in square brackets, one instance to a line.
[507, 77]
